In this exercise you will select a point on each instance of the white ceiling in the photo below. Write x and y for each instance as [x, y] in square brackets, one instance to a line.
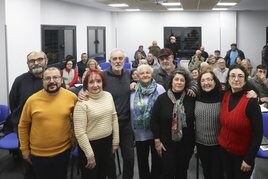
[188, 5]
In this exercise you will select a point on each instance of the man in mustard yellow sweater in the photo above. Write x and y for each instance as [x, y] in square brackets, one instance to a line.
[45, 127]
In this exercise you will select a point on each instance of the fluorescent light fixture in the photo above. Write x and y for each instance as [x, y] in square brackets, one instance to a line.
[226, 3]
[132, 10]
[219, 9]
[171, 4]
[118, 5]
[175, 9]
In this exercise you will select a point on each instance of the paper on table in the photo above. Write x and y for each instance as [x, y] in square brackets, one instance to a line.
[263, 109]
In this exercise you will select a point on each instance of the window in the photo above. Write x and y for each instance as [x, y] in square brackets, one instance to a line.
[188, 39]
[96, 43]
[58, 42]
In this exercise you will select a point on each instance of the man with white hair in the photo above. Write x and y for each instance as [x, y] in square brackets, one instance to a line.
[118, 81]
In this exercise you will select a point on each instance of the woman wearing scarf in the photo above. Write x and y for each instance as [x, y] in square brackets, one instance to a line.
[141, 104]
[173, 126]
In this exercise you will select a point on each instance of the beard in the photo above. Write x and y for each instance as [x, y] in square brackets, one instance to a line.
[37, 69]
[117, 68]
[52, 88]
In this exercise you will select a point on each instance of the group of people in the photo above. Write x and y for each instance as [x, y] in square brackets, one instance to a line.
[163, 112]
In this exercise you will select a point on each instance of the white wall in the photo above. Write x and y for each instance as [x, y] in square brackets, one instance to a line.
[24, 20]
[3, 59]
[252, 34]
[23, 34]
[134, 29]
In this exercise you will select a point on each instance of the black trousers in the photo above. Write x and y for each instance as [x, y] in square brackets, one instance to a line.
[28, 170]
[175, 160]
[102, 149]
[51, 167]
[143, 148]
[211, 161]
[127, 145]
[232, 164]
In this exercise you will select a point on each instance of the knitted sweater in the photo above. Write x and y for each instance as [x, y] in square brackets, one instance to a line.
[241, 125]
[95, 119]
[45, 124]
[23, 87]
[207, 117]
[118, 86]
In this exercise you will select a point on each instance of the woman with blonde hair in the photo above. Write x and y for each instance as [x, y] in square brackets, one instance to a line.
[91, 64]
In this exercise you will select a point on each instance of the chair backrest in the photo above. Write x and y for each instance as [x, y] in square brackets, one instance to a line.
[100, 59]
[126, 60]
[4, 112]
[265, 124]
[104, 65]
[127, 66]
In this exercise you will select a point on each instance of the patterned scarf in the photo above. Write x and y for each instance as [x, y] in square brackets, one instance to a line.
[178, 116]
[142, 110]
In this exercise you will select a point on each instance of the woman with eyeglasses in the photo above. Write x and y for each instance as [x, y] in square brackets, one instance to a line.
[207, 124]
[241, 126]
[69, 74]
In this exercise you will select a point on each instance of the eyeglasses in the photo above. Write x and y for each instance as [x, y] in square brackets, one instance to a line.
[206, 80]
[240, 77]
[49, 78]
[38, 60]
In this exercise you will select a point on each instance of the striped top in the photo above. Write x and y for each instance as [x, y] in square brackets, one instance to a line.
[95, 119]
[207, 117]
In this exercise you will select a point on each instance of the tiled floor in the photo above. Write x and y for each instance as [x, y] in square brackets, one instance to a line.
[10, 169]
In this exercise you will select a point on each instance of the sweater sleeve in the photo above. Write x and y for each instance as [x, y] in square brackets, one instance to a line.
[254, 114]
[24, 129]
[80, 129]
[75, 79]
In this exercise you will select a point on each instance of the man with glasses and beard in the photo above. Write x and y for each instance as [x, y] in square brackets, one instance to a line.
[23, 87]
[45, 132]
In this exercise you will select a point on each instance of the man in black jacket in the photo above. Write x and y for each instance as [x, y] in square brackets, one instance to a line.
[232, 54]
[23, 87]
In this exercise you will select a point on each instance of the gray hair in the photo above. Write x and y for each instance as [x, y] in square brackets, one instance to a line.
[145, 66]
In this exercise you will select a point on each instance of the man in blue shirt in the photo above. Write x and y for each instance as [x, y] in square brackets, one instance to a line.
[232, 54]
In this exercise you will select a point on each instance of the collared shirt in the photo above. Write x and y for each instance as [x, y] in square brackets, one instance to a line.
[221, 74]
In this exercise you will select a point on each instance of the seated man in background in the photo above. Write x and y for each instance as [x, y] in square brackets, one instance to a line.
[221, 72]
[260, 82]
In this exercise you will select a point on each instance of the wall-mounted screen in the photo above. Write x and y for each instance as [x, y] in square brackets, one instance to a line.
[188, 39]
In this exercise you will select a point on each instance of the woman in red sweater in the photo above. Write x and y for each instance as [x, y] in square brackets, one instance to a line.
[241, 126]
[69, 74]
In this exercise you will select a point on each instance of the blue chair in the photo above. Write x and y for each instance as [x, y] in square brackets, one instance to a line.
[127, 66]
[261, 153]
[126, 60]
[104, 65]
[9, 141]
[4, 112]
[74, 157]
[100, 59]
